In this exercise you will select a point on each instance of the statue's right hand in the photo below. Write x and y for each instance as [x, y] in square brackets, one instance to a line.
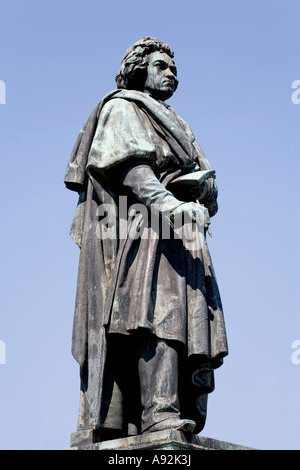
[191, 212]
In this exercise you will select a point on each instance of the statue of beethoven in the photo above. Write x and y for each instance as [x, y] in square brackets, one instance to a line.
[148, 327]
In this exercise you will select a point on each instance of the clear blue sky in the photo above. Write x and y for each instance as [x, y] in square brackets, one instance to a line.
[236, 62]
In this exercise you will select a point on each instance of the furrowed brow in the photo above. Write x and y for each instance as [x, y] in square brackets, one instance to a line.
[166, 64]
[160, 62]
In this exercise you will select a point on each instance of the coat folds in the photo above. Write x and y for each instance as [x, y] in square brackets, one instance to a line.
[144, 282]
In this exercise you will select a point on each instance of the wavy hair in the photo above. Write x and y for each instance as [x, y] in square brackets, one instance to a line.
[134, 64]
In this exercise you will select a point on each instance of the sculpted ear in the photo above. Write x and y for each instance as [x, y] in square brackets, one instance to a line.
[120, 81]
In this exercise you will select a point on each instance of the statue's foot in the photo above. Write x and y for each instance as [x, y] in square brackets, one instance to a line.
[185, 425]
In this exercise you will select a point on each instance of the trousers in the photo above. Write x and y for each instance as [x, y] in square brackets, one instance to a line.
[140, 383]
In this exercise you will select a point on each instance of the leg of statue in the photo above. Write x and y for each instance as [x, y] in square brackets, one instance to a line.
[158, 372]
[121, 408]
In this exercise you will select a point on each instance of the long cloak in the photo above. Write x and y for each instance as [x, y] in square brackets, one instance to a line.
[175, 293]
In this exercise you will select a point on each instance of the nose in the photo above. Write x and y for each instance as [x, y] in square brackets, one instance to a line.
[171, 76]
[169, 73]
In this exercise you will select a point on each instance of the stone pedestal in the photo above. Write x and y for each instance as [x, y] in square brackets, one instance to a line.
[168, 439]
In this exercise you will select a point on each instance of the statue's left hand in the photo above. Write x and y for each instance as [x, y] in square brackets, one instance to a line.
[209, 191]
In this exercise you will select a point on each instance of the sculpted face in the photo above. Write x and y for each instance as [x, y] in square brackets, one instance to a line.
[161, 80]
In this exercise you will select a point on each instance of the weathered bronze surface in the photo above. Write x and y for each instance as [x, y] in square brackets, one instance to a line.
[148, 326]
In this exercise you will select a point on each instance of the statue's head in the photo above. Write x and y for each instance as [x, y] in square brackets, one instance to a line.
[148, 66]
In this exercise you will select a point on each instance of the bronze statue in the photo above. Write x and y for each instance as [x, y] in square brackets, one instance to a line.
[148, 327]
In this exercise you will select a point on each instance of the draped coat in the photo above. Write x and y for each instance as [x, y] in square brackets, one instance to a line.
[140, 280]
